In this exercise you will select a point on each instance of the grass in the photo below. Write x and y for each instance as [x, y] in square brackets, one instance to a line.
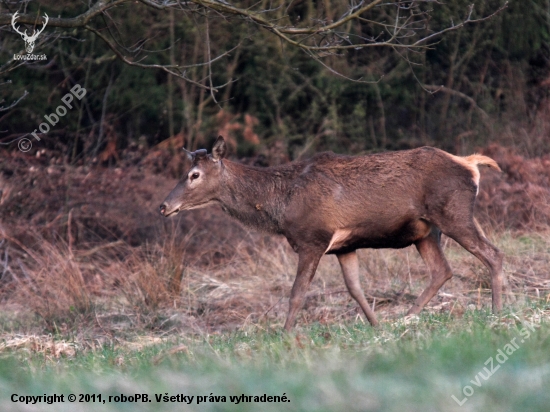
[117, 289]
[413, 364]
[194, 317]
[100, 295]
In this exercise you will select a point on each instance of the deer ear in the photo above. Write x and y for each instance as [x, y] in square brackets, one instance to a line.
[219, 149]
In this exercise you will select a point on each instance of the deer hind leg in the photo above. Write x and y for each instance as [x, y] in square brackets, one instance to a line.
[307, 265]
[432, 255]
[350, 268]
[474, 242]
[457, 221]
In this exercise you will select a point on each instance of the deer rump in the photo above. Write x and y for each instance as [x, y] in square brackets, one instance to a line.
[333, 204]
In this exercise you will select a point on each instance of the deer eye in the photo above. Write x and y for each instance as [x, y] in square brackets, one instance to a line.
[195, 176]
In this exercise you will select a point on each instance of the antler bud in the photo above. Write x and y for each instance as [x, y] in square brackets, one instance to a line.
[190, 155]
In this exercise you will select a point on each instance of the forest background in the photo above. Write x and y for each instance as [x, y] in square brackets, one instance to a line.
[485, 82]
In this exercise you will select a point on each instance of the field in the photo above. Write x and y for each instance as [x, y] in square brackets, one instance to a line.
[411, 364]
[100, 296]
[105, 305]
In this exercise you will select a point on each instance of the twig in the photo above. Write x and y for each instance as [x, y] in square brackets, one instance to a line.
[3, 109]
[149, 66]
[435, 89]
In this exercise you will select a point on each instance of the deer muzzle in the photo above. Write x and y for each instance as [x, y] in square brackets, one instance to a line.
[164, 210]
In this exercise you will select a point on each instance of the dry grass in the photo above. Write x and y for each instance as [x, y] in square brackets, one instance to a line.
[162, 288]
[519, 199]
[78, 254]
[38, 344]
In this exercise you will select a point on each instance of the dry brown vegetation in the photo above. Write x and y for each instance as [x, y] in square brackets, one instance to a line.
[84, 249]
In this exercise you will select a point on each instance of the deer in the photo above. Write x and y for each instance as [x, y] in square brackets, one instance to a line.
[29, 40]
[334, 204]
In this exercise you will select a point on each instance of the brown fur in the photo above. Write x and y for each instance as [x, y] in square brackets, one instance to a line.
[336, 204]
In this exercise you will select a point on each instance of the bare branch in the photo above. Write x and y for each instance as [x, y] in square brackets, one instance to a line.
[318, 37]
[166, 68]
[337, 73]
[256, 17]
[464, 23]
[3, 109]
[78, 21]
[435, 89]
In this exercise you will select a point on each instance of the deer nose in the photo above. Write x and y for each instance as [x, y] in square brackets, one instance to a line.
[162, 209]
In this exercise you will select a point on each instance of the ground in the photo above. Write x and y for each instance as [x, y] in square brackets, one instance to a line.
[101, 294]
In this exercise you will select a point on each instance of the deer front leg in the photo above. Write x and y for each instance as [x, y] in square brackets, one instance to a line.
[307, 265]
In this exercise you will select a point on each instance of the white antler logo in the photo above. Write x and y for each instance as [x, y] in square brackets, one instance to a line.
[29, 40]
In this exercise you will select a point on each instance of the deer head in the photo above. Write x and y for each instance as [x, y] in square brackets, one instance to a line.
[29, 40]
[201, 185]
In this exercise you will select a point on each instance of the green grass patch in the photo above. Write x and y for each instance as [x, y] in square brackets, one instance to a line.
[412, 364]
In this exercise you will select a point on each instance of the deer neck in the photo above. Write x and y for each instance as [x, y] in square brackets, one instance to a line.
[254, 196]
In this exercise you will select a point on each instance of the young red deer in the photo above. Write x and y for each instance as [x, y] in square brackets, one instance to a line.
[334, 204]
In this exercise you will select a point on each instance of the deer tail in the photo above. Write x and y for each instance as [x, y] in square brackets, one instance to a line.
[477, 159]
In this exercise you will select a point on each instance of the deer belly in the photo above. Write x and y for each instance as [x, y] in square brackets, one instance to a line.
[345, 240]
